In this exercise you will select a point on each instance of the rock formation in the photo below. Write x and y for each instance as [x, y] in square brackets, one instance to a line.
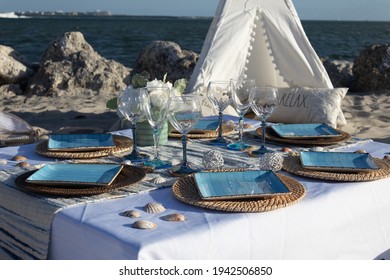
[372, 68]
[71, 65]
[13, 68]
[340, 73]
[164, 57]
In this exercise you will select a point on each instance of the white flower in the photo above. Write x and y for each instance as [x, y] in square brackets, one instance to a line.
[158, 83]
[158, 98]
[175, 92]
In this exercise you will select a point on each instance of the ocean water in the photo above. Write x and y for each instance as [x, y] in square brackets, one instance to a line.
[122, 38]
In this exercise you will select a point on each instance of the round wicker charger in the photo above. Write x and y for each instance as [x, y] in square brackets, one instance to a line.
[195, 134]
[129, 175]
[185, 190]
[122, 144]
[16, 139]
[293, 165]
[270, 135]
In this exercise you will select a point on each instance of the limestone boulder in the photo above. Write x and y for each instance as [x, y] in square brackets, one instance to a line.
[372, 68]
[10, 90]
[165, 57]
[71, 65]
[13, 68]
[340, 73]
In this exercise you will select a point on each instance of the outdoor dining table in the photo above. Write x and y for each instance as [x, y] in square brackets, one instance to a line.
[334, 220]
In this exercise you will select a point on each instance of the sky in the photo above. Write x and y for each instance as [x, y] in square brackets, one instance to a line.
[377, 10]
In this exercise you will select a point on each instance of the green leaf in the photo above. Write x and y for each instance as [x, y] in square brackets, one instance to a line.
[181, 85]
[140, 80]
[112, 103]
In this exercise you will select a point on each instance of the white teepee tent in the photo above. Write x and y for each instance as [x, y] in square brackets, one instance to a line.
[260, 39]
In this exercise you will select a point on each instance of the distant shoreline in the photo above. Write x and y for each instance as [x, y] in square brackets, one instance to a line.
[108, 14]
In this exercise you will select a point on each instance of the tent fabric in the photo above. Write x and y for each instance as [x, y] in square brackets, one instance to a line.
[260, 39]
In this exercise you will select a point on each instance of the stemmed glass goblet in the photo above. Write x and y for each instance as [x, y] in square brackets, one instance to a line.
[156, 106]
[241, 98]
[184, 113]
[220, 95]
[129, 104]
[264, 102]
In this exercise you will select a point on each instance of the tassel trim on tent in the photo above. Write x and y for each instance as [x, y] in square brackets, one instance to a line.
[270, 52]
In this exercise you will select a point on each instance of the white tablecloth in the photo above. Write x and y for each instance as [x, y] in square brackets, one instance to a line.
[334, 221]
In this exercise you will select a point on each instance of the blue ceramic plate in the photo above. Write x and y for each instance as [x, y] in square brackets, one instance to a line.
[239, 185]
[76, 174]
[206, 124]
[310, 130]
[80, 142]
[338, 161]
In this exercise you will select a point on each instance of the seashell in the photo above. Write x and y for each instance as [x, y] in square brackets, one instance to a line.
[175, 217]
[360, 152]
[160, 181]
[23, 164]
[229, 123]
[3, 161]
[248, 125]
[132, 214]
[144, 224]
[40, 165]
[154, 208]
[148, 169]
[286, 150]
[126, 162]
[19, 158]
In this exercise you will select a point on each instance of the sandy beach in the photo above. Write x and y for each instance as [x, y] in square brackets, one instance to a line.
[367, 114]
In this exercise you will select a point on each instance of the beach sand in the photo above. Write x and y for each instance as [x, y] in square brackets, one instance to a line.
[367, 114]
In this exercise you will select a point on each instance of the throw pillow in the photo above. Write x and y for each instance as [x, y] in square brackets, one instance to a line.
[310, 105]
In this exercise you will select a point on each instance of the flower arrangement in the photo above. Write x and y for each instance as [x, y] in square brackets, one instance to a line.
[142, 80]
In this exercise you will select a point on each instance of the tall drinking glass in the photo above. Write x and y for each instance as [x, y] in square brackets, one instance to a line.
[241, 98]
[184, 113]
[264, 102]
[156, 106]
[130, 105]
[220, 95]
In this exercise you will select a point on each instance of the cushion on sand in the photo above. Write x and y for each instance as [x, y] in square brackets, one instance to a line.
[310, 105]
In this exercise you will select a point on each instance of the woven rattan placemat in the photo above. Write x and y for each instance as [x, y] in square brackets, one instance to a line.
[293, 165]
[129, 175]
[122, 144]
[195, 134]
[16, 140]
[186, 191]
[270, 135]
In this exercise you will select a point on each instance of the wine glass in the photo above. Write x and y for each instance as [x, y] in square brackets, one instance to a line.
[156, 106]
[130, 106]
[264, 102]
[241, 98]
[219, 94]
[184, 113]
